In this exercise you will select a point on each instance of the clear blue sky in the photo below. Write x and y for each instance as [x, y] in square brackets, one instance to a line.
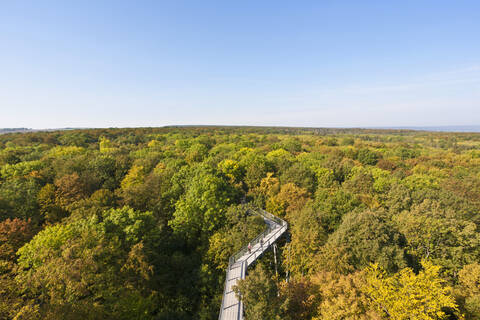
[296, 63]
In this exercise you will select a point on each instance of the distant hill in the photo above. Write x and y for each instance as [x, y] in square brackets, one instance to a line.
[10, 130]
[23, 130]
[438, 128]
[473, 128]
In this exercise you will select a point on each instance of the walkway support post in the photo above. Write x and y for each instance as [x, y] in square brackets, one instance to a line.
[275, 258]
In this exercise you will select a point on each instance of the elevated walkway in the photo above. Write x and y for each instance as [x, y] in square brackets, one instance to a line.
[232, 308]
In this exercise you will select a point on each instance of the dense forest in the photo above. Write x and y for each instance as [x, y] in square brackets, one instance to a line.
[140, 223]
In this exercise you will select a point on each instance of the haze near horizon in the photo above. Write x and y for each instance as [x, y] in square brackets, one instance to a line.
[329, 64]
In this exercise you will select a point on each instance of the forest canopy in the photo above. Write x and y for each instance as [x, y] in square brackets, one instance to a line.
[140, 223]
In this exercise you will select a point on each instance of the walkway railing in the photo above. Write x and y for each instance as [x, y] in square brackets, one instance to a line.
[257, 239]
[231, 307]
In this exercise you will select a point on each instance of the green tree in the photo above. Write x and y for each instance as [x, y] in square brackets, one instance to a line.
[256, 168]
[300, 175]
[87, 267]
[360, 181]
[369, 237]
[242, 226]
[439, 234]
[308, 236]
[201, 210]
[196, 153]
[19, 198]
[47, 200]
[281, 159]
[259, 295]
[332, 205]
[367, 157]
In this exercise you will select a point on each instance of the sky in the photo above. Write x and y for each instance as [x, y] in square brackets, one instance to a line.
[280, 63]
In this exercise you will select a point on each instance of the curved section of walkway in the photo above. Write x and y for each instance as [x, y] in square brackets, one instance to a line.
[232, 308]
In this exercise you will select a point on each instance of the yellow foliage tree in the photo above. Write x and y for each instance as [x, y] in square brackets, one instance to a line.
[290, 199]
[269, 185]
[135, 176]
[409, 296]
[231, 169]
[105, 145]
[342, 297]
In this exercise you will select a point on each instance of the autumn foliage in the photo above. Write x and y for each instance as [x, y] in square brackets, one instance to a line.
[140, 223]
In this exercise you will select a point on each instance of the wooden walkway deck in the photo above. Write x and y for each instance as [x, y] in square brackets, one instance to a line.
[232, 308]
